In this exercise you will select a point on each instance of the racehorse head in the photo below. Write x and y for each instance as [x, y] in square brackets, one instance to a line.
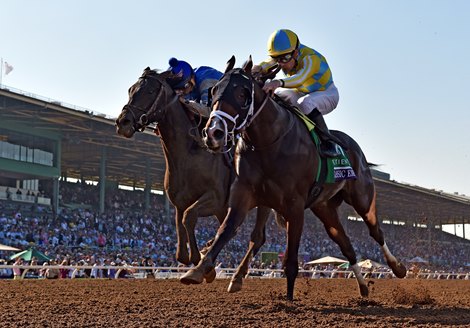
[234, 102]
[148, 101]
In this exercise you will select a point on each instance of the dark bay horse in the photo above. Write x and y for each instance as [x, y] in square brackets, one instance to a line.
[197, 182]
[276, 164]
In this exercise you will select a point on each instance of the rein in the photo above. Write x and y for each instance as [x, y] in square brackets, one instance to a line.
[279, 138]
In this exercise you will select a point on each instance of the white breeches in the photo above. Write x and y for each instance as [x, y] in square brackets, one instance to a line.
[324, 101]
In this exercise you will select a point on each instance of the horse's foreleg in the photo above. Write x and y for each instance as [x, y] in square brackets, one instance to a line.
[295, 223]
[335, 230]
[190, 217]
[189, 222]
[370, 218]
[258, 238]
[240, 203]
[182, 254]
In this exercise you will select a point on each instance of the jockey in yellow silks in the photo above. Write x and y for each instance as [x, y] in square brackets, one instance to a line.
[308, 82]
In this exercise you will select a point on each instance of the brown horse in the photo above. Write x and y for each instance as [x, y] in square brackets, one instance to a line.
[196, 181]
[276, 164]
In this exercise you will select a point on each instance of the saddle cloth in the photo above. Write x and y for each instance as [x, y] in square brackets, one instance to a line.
[338, 168]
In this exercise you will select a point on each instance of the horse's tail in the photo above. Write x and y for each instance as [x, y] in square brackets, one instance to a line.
[280, 220]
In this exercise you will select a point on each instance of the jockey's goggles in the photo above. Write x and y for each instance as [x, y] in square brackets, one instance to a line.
[186, 86]
[284, 58]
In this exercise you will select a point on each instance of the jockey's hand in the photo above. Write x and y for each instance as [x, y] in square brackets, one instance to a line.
[271, 86]
[179, 92]
[256, 71]
[183, 100]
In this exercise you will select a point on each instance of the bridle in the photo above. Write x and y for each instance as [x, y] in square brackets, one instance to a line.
[248, 107]
[142, 117]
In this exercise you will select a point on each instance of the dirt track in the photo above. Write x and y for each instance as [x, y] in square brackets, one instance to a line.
[168, 303]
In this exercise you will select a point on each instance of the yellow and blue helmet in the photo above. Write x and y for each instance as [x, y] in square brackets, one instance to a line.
[282, 42]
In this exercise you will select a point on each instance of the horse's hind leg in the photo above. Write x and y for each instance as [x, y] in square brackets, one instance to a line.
[258, 238]
[368, 213]
[295, 224]
[330, 219]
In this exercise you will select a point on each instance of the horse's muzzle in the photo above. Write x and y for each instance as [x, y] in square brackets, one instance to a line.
[124, 127]
[214, 138]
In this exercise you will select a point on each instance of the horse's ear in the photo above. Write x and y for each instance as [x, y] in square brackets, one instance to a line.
[248, 65]
[146, 70]
[230, 64]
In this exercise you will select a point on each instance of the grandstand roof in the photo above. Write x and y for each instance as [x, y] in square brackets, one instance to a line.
[85, 132]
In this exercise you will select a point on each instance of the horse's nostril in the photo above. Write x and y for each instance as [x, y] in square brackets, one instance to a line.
[219, 134]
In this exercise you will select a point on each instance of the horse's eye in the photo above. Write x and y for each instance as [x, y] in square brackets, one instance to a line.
[244, 94]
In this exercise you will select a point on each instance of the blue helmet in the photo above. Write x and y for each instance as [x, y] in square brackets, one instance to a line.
[182, 70]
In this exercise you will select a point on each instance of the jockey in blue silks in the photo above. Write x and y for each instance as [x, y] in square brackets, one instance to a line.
[193, 85]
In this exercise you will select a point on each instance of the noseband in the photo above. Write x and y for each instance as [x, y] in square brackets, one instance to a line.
[226, 91]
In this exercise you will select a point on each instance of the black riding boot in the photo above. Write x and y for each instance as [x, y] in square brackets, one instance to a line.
[327, 145]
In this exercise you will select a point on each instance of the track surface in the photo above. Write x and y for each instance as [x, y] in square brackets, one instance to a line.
[261, 303]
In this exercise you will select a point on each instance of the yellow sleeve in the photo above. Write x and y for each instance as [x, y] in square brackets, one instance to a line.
[267, 64]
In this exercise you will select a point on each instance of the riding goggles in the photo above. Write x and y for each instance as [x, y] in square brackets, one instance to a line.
[284, 58]
[188, 85]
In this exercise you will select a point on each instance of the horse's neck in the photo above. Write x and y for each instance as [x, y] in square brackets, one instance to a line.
[270, 124]
[174, 133]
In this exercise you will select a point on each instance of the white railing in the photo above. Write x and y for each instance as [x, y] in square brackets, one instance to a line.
[223, 273]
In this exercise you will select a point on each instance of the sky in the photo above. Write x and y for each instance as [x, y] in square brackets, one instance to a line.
[402, 67]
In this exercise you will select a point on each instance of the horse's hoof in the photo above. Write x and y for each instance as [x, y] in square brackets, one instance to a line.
[399, 270]
[364, 290]
[234, 286]
[210, 276]
[193, 276]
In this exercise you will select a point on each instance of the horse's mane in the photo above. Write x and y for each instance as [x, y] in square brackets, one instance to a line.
[167, 75]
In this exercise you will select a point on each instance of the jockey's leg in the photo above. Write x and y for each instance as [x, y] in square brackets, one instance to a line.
[322, 102]
[327, 146]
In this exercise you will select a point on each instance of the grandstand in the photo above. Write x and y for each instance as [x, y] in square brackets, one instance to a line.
[44, 143]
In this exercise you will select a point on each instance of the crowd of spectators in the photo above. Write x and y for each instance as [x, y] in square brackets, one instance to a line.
[126, 234]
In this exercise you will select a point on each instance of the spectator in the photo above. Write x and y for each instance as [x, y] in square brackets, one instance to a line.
[17, 271]
[52, 273]
[18, 193]
[6, 273]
